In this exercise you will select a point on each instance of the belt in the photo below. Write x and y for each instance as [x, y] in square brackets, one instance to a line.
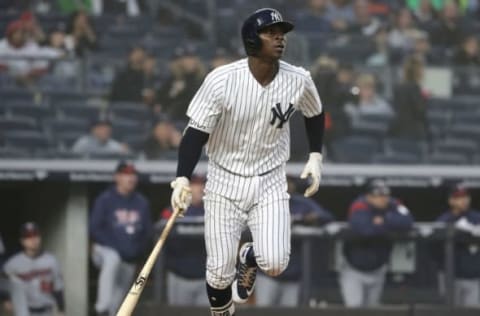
[42, 309]
[244, 176]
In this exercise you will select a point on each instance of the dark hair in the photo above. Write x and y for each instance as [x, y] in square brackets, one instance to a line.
[71, 20]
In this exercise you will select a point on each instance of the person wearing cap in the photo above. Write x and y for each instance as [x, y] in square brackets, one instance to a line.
[99, 141]
[36, 284]
[121, 232]
[185, 255]
[467, 250]
[371, 218]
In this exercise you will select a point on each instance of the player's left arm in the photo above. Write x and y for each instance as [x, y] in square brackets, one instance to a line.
[311, 108]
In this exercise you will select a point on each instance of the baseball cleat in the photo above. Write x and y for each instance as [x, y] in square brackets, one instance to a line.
[244, 283]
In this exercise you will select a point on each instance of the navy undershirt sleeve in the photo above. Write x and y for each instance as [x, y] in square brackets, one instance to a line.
[315, 128]
[190, 151]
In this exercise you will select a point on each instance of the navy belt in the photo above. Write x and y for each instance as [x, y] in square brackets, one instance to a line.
[42, 309]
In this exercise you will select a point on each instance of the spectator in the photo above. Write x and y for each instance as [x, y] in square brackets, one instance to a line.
[314, 15]
[468, 53]
[424, 12]
[151, 83]
[467, 256]
[128, 84]
[423, 50]
[340, 14]
[285, 290]
[401, 36]
[369, 102]
[365, 24]
[410, 120]
[121, 231]
[81, 34]
[99, 141]
[185, 256]
[164, 139]
[221, 58]
[58, 41]
[33, 29]
[449, 30]
[371, 218]
[17, 55]
[131, 8]
[381, 55]
[187, 74]
[36, 284]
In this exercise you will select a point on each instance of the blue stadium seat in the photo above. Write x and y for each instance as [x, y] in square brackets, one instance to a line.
[6, 152]
[136, 142]
[465, 131]
[77, 110]
[67, 125]
[374, 129]
[448, 159]
[398, 146]
[126, 128]
[30, 110]
[466, 117]
[30, 140]
[461, 146]
[129, 111]
[354, 149]
[397, 158]
[17, 123]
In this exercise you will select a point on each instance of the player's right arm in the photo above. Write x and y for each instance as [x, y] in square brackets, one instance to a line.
[203, 111]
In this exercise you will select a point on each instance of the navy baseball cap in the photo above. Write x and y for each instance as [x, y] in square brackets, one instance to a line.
[29, 229]
[378, 187]
[126, 167]
[458, 190]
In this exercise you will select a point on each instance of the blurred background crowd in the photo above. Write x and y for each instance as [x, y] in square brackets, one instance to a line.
[99, 79]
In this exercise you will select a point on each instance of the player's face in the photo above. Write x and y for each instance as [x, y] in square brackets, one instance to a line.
[460, 203]
[32, 243]
[273, 42]
[126, 182]
[378, 201]
[102, 132]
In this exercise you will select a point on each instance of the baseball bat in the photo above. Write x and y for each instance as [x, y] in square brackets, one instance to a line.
[131, 300]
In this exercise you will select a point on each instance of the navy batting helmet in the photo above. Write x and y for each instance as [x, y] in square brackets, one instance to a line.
[256, 22]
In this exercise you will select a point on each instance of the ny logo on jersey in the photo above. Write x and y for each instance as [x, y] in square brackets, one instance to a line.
[276, 17]
[281, 116]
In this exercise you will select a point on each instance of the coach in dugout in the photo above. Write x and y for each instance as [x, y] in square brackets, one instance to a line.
[467, 249]
[371, 218]
[121, 230]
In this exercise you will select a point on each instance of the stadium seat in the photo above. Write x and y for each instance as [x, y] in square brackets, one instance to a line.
[77, 110]
[136, 142]
[29, 110]
[370, 128]
[129, 111]
[405, 146]
[466, 117]
[7, 152]
[448, 159]
[354, 149]
[67, 125]
[29, 140]
[125, 128]
[17, 123]
[465, 131]
[455, 145]
[397, 158]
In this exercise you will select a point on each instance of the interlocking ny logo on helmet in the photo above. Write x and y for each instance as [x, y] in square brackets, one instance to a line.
[259, 20]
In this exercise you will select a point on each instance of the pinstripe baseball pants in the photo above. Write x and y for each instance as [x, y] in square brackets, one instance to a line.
[234, 202]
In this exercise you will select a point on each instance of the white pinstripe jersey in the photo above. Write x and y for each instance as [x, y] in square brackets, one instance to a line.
[248, 122]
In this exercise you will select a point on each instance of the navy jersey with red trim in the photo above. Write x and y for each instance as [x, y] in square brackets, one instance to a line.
[467, 250]
[370, 251]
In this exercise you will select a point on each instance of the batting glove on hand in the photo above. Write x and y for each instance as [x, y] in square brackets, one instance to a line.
[313, 169]
[181, 195]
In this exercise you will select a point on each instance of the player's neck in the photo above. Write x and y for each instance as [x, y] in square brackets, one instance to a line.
[263, 70]
[32, 253]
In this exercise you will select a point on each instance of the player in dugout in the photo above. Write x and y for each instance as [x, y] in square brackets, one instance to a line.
[371, 218]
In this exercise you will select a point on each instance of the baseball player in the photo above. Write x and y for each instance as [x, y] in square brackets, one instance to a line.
[121, 230]
[371, 217]
[185, 256]
[241, 112]
[467, 250]
[285, 289]
[36, 284]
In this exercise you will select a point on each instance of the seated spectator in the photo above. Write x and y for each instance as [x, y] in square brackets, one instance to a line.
[401, 36]
[151, 83]
[382, 52]
[33, 29]
[449, 30]
[468, 53]
[409, 102]
[163, 140]
[371, 218]
[340, 14]
[284, 290]
[24, 60]
[80, 33]
[99, 141]
[365, 23]
[128, 83]
[423, 50]
[314, 14]
[369, 102]
[58, 41]
[187, 74]
[467, 257]
[185, 256]
[424, 12]
[129, 7]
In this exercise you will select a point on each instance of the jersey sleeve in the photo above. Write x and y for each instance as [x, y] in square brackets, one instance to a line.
[310, 104]
[205, 107]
